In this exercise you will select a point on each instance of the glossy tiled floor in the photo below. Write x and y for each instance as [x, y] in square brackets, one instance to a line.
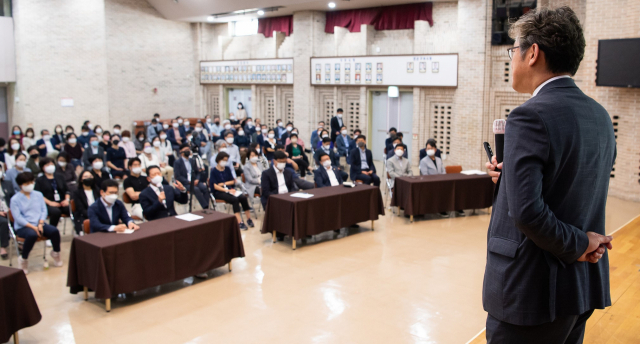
[402, 283]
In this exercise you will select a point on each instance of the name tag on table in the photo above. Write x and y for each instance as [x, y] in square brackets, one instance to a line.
[473, 172]
[189, 217]
[301, 195]
[126, 231]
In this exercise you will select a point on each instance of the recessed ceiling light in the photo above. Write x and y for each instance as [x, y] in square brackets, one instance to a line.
[332, 5]
[210, 18]
[260, 12]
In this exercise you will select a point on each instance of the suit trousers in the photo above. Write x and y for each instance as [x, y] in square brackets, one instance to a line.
[201, 192]
[4, 232]
[367, 179]
[55, 213]
[29, 235]
[567, 329]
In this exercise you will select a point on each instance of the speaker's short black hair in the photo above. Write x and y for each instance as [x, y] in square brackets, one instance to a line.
[279, 155]
[25, 177]
[107, 183]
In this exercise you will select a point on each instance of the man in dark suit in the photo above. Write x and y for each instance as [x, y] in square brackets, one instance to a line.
[276, 180]
[92, 150]
[336, 124]
[157, 200]
[326, 175]
[362, 167]
[333, 157]
[547, 265]
[388, 143]
[47, 144]
[182, 171]
[105, 213]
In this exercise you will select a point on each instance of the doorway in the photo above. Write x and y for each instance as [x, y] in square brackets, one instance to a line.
[390, 112]
[4, 126]
[236, 96]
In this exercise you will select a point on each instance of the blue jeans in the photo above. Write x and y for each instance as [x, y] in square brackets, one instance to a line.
[30, 236]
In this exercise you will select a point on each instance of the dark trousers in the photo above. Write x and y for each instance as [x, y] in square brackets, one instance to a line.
[568, 329]
[55, 213]
[201, 191]
[302, 166]
[30, 236]
[4, 232]
[234, 201]
[367, 179]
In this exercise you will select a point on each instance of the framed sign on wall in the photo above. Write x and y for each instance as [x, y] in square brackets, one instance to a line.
[247, 72]
[431, 70]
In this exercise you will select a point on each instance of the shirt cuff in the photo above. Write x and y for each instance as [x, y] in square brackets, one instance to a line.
[112, 228]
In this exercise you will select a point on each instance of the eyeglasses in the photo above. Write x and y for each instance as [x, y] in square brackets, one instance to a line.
[510, 52]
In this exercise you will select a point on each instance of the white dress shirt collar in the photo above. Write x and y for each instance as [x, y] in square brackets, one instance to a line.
[546, 82]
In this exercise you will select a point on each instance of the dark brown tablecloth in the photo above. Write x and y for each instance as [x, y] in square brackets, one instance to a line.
[421, 195]
[161, 251]
[330, 208]
[18, 308]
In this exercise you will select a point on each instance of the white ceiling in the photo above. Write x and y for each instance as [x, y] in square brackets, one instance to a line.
[199, 10]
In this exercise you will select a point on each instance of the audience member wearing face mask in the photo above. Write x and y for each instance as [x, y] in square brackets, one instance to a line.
[116, 158]
[157, 200]
[362, 167]
[296, 152]
[98, 170]
[107, 213]
[398, 165]
[344, 142]
[133, 186]
[276, 180]
[54, 189]
[67, 171]
[189, 168]
[336, 124]
[334, 158]
[225, 187]
[29, 212]
[423, 152]
[139, 141]
[93, 149]
[253, 168]
[83, 197]
[392, 152]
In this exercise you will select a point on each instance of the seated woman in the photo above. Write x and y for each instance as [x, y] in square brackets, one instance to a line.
[67, 171]
[147, 159]
[253, 173]
[105, 139]
[159, 152]
[223, 186]
[97, 170]
[116, 157]
[20, 166]
[75, 151]
[127, 145]
[167, 146]
[13, 148]
[296, 153]
[300, 141]
[54, 189]
[29, 212]
[262, 160]
[83, 197]
[139, 143]
[270, 144]
[33, 160]
[323, 134]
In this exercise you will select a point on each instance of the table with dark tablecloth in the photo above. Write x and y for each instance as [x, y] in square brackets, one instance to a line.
[330, 208]
[18, 308]
[161, 251]
[419, 195]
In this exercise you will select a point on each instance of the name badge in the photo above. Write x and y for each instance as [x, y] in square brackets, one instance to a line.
[56, 196]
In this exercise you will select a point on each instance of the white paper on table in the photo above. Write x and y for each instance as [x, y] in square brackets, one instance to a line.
[189, 217]
[472, 172]
[126, 231]
[238, 193]
[302, 195]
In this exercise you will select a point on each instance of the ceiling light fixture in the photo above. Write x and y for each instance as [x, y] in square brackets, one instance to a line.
[210, 18]
[332, 5]
[254, 11]
[260, 12]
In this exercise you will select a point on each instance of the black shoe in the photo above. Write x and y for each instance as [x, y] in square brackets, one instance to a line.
[337, 231]
[444, 214]
[280, 237]
[250, 223]
[243, 226]
[4, 256]
[355, 226]
[461, 213]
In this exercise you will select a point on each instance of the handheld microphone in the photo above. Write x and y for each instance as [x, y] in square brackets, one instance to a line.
[498, 130]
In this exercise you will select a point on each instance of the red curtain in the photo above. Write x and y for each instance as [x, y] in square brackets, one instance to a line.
[266, 26]
[382, 18]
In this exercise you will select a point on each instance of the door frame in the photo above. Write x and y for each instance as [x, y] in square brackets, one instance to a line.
[226, 97]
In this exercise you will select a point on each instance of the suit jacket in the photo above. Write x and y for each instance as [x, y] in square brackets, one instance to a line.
[321, 177]
[314, 139]
[99, 218]
[356, 163]
[427, 168]
[43, 152]
[269, 183]
[342, 149]
[335, 159]
[398, 168]
[423, 153]
[252, 177]
[88, 153]
[335, 127]
[7, 188]
[558, 154]
[153, 209]
[171, 136]
[181, 175]
[82, 205]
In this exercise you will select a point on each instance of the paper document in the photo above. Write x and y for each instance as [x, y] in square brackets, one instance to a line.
[126, 231]
[189, 217]
[301, 195]
[238, 193]
[472, 172]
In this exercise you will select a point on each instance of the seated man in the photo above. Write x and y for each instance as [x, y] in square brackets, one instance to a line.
[157, 200]
[29, 213]
[362, 167]
[183, 173]
[276, 180]
[133, 186]
[344, 143]
[398, 165]
[396, 142]
[293, 166]
[91, 151]
[105, 213]
[432, 143]
[326, 175]
[333, 157]
[388, 143]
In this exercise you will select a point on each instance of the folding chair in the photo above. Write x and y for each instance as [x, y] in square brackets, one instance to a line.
[86, 227]
[17, 239]
[252, 198]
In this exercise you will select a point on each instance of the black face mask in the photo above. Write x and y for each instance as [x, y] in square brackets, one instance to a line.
[115, 142]
[217, 122]
[87, 182]
[186, 154]
[34, 156]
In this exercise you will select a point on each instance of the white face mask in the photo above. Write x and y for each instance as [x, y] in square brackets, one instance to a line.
[227, 126]
[21, 164]
[249, 124]
[254, 159]
[99, 131]
[399, 152]
[157, 180]
[271, 136]
[223, 163]
[186, 124]
[223, 149]
[90, 125]
[28, 188]
[241, 133]
[116, 131]
[85, 133]
[327, 147]
[325, 135]
[233, 118]
[258, 150]
[141, 138]
[431, 152]
[165, 126]
[326, 163]
[136, 170]
[339, 115]
[156, 143]
[344, 132]
[289, 128]
[97, 165]
[180, 121]
[46, 137]
[198, 129]
[49, 169]
[125, 139]
[208, 120]
[281, 166]
[280, 124]
[294, 140]
[163, 136]
[175, 125]
[15, 146]
[229, 140]
[111, 199]
[264, 131]
[148, 150]
[62, 163]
